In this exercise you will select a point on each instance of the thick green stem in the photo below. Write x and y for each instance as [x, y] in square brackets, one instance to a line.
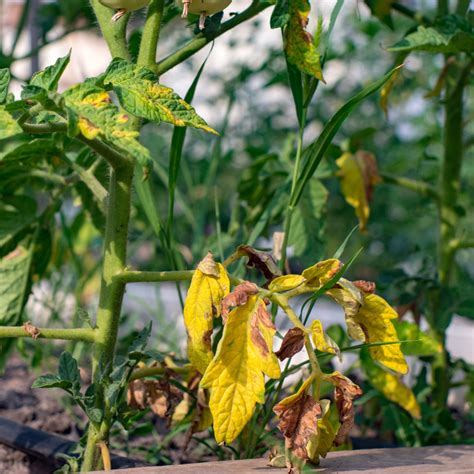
[111, 295]
[450, 183]
[149, 277]
[202, 40]
[419, 187]
[151, 34]
[74, 334]
[114, 32]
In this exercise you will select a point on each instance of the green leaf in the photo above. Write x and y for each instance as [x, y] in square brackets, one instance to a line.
[140, 94]
[34, 150]
[424, 345]
[299, 46]
[17, 213]
[315, 152]
[450, 34]
[51, 381]
[4, 82]
[308, 226]
[95, 415]
[8, 125]
[68, 369]
[92, 109]
[281, 14]
[14, 287]
[48, 79]
[139, 343]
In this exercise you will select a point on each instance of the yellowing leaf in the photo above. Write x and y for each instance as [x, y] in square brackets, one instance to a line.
[286, 282]
[391, 386]
[209, 285]
[322, 443]
[374, 317]
[320, 273]
[358, 174]
[235, 376]
[8, 125]
[299, 46]
[321, 341]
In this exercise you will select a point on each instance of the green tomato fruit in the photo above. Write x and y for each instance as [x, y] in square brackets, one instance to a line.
[209, 7]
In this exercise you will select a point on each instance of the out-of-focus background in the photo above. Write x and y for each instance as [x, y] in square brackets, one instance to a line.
[226, 182]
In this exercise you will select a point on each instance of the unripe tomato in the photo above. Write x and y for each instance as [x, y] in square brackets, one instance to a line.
[209, 7]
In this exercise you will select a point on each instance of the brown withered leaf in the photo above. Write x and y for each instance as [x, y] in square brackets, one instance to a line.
[261, 318]
[31, 330]
[292, 343]
[237, 297]
[159, 395]
[261, 260]
[365, 286]
[208, 266]
[298, 420]
[345, 392]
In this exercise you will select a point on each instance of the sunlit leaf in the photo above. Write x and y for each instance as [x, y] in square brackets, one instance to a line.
[422, 345]
[48, 78]
[322, 443]
[286, 282]
[235, 376]
[8, 125]
[4, 82]
[390, 386]
[209, 285]
[322, 342]
[320, 273]
[359, 175]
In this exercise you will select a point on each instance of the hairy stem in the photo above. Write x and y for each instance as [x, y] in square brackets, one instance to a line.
[419, 187]
[74, 334]
[151, 34]
[113, 32]
[202, 40]
[111, 296]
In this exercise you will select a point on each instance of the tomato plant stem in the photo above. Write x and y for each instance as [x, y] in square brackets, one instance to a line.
[151, 34]
[74, 334]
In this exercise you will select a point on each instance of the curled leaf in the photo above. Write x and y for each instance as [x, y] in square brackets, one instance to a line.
[298, 416]
[323, 442]
[159, 395]
[365, 286]
[238, 297]
[292, 343]
[322, 342]
[209, 285]
[235, 377]
[359, 175]
[345, 392]
[261, 260]
[286, 282]
[320, 273]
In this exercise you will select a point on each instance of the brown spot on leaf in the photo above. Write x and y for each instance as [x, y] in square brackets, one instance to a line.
[292, 343]
[261, 260]
[238, 297]
[206, 338]
[31, 330]
[345, 393]
[365, 286]
[368, 167]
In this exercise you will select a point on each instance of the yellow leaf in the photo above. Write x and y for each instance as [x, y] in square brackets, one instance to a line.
[286, 282]
[321, 341]
[209, 285]
[235, 377]
[358, 174]
[322, 443]
[320, 273]
[375, 318]
[88, 129]
[392, 387]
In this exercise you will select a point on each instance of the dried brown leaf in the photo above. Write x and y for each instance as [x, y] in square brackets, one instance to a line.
[292, 343]
[365, 286]
[238, 297]
[261, 260]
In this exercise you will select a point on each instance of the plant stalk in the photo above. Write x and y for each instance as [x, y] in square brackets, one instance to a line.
[74, 334]
[151, 34]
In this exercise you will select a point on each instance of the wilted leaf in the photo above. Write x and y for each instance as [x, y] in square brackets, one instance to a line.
[299, 46]
[321, 444]
[286, 283]
[235, 376]
[320, 273]
[292, 343]
[345, 392]
[298, 416]
[238, 297]
[8, 125]
[424, 344]
[322, 342]
[365, 286]
[261, 260]
[359, 175]
[449, 34]
[390, 386]
[141, 95]
[4, 82]
[209, 285]
[48, 79]
[159, 395]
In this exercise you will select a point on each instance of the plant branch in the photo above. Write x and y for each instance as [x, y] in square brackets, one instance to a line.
[129, 276]
[114, 32]
[153, 371]
[75, 334]
[202, 39]
[413, 14]
[419, 187]
[282, 301]
[151, 34]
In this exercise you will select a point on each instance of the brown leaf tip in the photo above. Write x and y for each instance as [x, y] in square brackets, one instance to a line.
[365, 286]
[238, 297]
